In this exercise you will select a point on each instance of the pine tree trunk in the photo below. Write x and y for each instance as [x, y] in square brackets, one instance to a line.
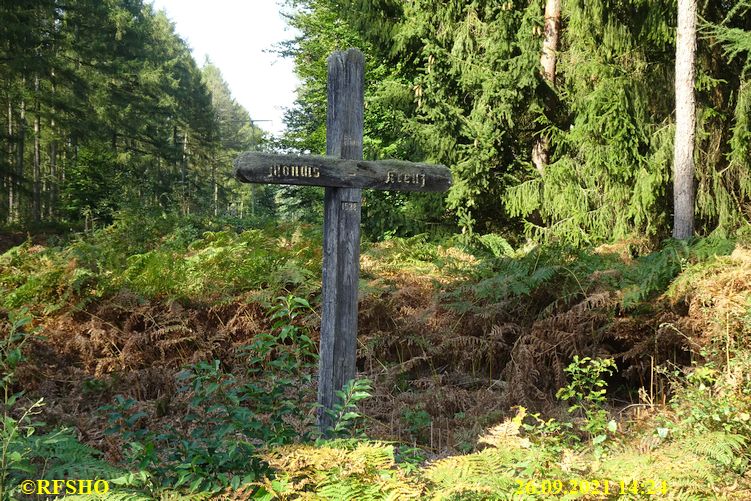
[550, 43]
[37, 184]
[184, 161]
[540, 151]
[253, 201]
[21, 139]
[685, 121]
[6, 180]
[51, 183]
[174, 167]
[53, 178]
[184, 174]
[215, 188]
[12, 182]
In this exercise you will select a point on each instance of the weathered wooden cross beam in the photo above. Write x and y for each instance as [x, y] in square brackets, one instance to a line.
[344, 174]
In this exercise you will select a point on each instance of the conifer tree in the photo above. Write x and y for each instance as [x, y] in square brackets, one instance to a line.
[234, 132]
[109, 78]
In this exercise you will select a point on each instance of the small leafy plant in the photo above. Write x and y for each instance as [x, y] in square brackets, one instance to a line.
[586, 391]
[345, 416]
[212, 447]
[417, 420]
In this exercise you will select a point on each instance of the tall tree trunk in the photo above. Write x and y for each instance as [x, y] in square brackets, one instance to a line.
[685, 121]
[184, 161]
[184, 174]
[51, 183]
[12, 181]
[53, 197]
[6, 183]
[21, 139]
[37, 184]
[215, 187]
[174, 158]
[53, 186]
[540, 151]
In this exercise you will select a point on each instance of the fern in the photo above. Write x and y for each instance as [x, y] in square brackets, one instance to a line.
[66, 457]
[686, 473]
[651, 274]
[345, 489]
[116, 494]
[496, 245]
[337, 470]
[492, 471]
[219, 263]
[721, 447]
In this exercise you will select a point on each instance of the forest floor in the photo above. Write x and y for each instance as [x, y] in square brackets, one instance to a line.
[486, 372]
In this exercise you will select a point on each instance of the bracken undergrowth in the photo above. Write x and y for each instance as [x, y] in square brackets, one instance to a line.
[194, 345]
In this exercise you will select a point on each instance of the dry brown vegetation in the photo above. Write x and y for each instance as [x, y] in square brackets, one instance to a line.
[465, 370]
[452, 341]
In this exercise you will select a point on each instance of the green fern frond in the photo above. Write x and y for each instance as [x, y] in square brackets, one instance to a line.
[719, 446]
[374, 455]
[66, 457]
[686, 473]
[488, 471]
[345, 489]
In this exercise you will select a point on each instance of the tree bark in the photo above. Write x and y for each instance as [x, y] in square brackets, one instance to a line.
[550, 43]
[215, 187]
[184, 174]
[541, 149]
[12, 181]
[21, 139]
[37, 174]
[53, 186]
[685, 121]
[184, 161]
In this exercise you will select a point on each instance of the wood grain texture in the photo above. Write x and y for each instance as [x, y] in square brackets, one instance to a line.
[311, 170]
[341, 239]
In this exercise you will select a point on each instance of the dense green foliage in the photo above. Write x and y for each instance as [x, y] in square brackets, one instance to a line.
[388, 103]
[106, 108]
[461, 85]
[161, 259]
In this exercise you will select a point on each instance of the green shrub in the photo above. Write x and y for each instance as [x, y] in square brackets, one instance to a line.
[586, 393]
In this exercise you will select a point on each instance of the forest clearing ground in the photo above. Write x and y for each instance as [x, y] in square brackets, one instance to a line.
[452, 339]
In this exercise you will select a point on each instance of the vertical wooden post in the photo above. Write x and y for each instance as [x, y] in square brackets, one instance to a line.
[341, 230]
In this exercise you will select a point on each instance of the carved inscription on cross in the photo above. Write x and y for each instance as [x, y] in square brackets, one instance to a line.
[344, 174]
[335, 172]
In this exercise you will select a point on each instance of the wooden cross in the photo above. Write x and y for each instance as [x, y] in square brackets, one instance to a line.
[344, 174]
